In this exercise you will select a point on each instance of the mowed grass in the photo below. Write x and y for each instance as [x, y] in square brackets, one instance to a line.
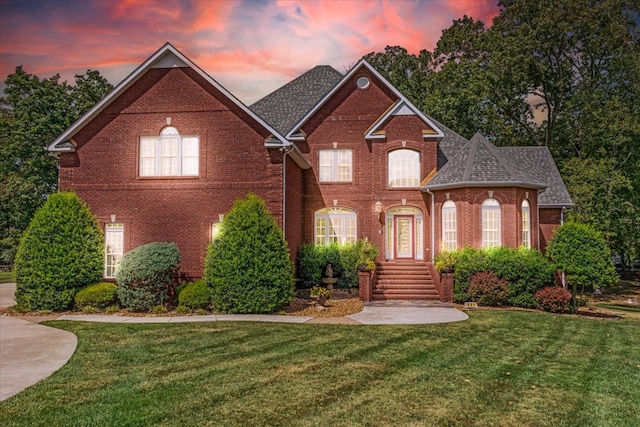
[503, 368]
[7, 277]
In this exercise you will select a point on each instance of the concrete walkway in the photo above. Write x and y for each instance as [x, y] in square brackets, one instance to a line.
[30, 352]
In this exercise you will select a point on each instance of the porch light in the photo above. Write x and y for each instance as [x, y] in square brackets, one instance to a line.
[377, 207]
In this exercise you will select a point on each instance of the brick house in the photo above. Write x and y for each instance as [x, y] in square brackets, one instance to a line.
[336, 157]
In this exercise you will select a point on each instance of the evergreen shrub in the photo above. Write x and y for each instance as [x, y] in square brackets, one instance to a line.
[61, 251]
[100, 295]
[247, 265]
[195, 295]
[555, 299]
[486, 288]
[146, 276]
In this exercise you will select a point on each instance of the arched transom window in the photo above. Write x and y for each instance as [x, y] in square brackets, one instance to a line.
[491, 223]
[169, 154]
[404, 168]
[449, 226]
[335, 225]
[526, 224]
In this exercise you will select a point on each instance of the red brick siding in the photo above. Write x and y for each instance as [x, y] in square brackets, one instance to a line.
[550, 219]
[233, 162]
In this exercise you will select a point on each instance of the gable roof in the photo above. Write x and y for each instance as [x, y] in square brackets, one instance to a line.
[285, 106]
[480, 163]
[538, 163]
[166, 57]
[295, 134]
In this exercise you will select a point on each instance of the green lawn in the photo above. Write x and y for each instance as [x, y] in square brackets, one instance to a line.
[7, 277]
[503, 368]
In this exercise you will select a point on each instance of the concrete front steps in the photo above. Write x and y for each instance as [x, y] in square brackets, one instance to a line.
[404, 280]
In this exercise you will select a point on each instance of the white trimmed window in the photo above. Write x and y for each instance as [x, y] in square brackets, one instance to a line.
[335, 165]
[113, 248]
[526, 224]
[449, 226]
[335, 225]
[404, 168]
[169, 154]
[491, 223]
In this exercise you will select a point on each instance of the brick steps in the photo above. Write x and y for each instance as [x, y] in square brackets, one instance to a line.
[404, 280]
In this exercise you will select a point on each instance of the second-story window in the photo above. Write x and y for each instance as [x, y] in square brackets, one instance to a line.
[335, 165]
[404, 168]
[169, 154]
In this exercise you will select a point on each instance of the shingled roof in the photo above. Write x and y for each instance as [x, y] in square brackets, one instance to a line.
[284, 107]
[538, 164]
[480, 163]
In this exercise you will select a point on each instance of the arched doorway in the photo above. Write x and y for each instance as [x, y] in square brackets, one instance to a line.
[404, 233]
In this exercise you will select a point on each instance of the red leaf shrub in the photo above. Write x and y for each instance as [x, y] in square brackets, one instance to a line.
[555, 299]
[486, 288]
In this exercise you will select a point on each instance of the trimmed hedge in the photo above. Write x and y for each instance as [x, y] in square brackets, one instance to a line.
[195, 295]
[488, 289]
[100, 295]
[60, 252]
[146, 276]
[344, 259]
[554, 299]
[525, 270]
[247, 266]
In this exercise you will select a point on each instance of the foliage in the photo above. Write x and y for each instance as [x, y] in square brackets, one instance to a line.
[99, 295]
[525, 270]
[582, 254]
[32, 114]
[445, 261]
[313, 259]
[146, 276]
[555, 299]
[195, 295]
[487, 289]
[320, 292]
[61, 251]
[247, 265]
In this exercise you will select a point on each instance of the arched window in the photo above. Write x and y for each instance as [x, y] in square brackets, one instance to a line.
[169, 154]
[404, 168]
[491, 223]
[449, 226]
[526, 224]
[335, 225]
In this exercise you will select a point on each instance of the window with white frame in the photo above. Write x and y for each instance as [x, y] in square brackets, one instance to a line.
[449, 226]
[526, 224]
[335, 225]
[335, 165]
[113, 248]
[404, 168]
[491, 223]
[169, 154]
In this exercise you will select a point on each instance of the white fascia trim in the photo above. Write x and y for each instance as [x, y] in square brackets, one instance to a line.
[399, 105]
[133, 77]
[464, 184]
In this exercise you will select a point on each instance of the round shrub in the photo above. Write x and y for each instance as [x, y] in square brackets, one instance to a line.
[100, 295]
[488, 289]
[554, 299]
[146, 275]
[247, 265]
[60, 252]
[195, 295]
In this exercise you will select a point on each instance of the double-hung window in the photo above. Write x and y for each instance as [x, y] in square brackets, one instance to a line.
[335, 165]
[449, 229]
[491, 236]
[335, 225]
[169, 154]
[526, 224]
[113, 248]
[404, 168]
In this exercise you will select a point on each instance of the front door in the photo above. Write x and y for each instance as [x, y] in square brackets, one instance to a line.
[403, 236]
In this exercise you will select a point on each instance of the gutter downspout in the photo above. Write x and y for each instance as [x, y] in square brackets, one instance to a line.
[433, 225]
[285, 151]
[564, 282]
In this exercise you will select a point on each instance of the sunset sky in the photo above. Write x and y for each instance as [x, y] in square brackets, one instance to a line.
[251, 47]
